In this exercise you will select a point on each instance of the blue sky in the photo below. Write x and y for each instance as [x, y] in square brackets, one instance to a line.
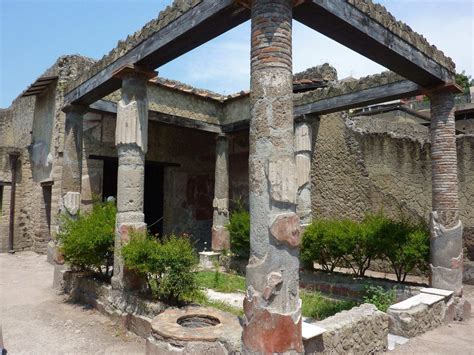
[33, 33]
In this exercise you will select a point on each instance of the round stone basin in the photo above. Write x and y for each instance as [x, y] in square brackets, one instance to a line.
[194, 324]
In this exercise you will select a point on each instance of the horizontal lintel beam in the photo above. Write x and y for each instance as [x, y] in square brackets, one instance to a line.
[205, 21]
[371, 96]
[344, 23]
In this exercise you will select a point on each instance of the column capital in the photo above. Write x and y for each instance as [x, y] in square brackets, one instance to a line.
[222, 136]
[134, 70]
[448, 87]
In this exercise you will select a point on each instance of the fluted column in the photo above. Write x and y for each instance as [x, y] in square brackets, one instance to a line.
[446, 229]
[220, 218]
[272, 321]
[131, 138]
[303, 150]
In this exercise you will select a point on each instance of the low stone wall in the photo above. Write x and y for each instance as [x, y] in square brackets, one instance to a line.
[133, 313]
[351, 287]
[140, 316]
[426, 311]
[361, 330]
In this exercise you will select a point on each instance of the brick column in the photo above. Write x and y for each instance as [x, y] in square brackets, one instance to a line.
[303, 151]
[446, 228]
[131, 137]
[220, 234]
[272, 321]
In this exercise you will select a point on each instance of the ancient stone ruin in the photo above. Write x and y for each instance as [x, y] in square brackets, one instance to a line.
[175, 157]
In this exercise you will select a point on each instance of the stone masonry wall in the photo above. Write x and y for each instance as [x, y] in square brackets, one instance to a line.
[361, 330]
[358, 167]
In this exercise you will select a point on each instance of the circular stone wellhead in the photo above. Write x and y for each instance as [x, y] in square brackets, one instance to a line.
[195, 324]
[198, 321]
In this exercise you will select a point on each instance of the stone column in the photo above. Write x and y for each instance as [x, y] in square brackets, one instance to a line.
[272, 321]
[131, 138]
[303, 151]
[72, 160]
[446, 257]
[220, 218]
[71, 173]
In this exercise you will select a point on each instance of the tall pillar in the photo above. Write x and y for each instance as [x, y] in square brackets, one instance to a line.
[446, 257]
[272, 307]
[303, 151]
[131, 138]
[72, 160]
[71, 174]
[220, 218]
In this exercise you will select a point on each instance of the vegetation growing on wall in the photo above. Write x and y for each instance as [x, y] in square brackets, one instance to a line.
[87, 241]
[346, 243]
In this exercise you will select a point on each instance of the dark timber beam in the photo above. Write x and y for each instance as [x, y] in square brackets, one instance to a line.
[374, 95]
[111, 107]
[344, 23]
[199, 25]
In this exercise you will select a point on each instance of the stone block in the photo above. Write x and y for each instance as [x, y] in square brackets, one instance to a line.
[361, 330]
[208, 259]
[417, 314]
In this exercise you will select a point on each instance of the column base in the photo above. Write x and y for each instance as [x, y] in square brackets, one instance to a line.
[220, 238]
[266, 331]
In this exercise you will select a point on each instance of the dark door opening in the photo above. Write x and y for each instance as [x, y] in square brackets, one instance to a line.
[153, 203]
[47, 195]
[153, 199]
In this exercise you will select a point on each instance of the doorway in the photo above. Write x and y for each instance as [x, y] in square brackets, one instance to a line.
[154, 191]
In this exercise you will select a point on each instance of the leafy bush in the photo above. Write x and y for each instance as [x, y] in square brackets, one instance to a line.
[87, 241]
[324, 241]
[168, 265]
[345, 243]
[406, 245]
[379, 297]
[363, 242]
[239, 230]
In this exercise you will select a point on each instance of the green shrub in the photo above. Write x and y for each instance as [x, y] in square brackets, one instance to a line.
[345, 243]
[379, 297]
[168, 265]
[406, 245]
[239, 230]
[363, 242]
[324, 241]
[87, 241]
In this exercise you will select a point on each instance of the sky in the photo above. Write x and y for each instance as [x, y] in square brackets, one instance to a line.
[34, 33]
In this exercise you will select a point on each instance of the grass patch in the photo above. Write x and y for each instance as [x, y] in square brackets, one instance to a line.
[203, 300]
[220, 282]
[315, 305]
[319, 307]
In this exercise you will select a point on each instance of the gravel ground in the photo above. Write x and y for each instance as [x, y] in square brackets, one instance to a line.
[36, 320]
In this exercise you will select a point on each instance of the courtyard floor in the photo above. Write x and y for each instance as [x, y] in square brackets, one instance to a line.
[36, 320]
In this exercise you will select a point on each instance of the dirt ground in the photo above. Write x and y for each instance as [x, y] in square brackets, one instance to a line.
[35, 320]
